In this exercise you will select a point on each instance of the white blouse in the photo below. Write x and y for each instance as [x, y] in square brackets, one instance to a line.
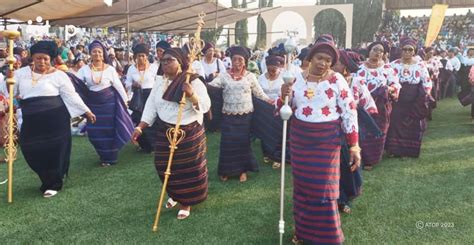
[382, 76]
[331, 100]
[109, 78]
[212, 67]
[53, 84]
[167, 111]
[271, 88]
[413, 74]
[237, 94]
[146, 78]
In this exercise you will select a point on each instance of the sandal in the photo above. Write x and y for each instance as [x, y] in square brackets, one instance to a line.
[295, 240]
[345, 208]
[266, 160]
[368, 168]
[183, 214]
[243, 177]
[276, 165]
[223, 178]
[170, 203]
[50, 193]
[105, 164]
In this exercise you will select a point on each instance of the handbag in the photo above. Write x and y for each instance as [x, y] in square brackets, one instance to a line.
[465, 97]
[136, 103]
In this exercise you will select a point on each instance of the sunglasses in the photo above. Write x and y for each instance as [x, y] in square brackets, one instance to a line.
[408, 49]
[168, 60]
[378, 50]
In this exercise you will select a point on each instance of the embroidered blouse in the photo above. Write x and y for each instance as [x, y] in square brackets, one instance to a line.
[326, 101]
[383, 76]
[237, 94]
[413, 74]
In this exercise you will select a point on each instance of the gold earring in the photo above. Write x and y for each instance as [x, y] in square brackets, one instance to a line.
[179, 70]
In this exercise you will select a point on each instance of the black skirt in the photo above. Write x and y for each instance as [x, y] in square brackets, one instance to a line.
[45, 139]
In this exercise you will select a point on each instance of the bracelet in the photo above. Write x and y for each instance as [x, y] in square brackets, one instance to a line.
[139, 130]
[355, 148]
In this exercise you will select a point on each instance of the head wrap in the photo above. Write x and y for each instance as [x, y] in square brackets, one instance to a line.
[97, 44]
[453, 50]
[180, 55]
[278, 50]
[325, 38]
[120, 49]
[207, 46]
[274, 60]
[77, 59]
[239, 50]
[304, 52]
[174, 92]
[140, 48]
[163, 45]
[408, 41]
[386, 49]
[326, 48]
[45, 47]
[348, 59]
[18, 50]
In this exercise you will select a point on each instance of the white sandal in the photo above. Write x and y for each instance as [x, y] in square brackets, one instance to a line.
[170, 203]
[183, 214]
[50, 193]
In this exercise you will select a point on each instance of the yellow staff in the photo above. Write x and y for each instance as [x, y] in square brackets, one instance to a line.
[176, 135]
[10, 148]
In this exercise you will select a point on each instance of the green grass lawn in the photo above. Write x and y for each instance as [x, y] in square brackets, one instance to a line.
[118, 204]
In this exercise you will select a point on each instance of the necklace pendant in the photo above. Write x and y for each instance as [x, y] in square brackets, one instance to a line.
[309, 93]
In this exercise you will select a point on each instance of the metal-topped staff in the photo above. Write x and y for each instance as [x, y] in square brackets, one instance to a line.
[285, 114]
[10, 148]
[176, 135]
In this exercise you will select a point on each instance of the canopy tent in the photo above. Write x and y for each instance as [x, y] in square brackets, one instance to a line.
[177, 17]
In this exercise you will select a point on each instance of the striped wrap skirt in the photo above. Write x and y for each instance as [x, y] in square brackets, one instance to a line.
[315, 157]
[188, 181]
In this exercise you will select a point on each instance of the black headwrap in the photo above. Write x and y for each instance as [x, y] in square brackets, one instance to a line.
[45, 47]
[163, 45]
[239, 50]
[327, 48]
[386, 49]
[274, 60]
[140, 48]
[207, 46]
[174, 92]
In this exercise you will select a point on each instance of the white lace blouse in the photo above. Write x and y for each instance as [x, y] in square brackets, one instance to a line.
[237, 94]
[145, 78]
[271, 88]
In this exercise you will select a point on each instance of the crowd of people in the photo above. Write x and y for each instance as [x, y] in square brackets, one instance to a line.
[456, 31]
[349, 108]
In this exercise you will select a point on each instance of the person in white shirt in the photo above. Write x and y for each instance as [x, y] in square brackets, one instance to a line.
[189, 162]
[236, 156]
[48, 102]
[108, 100]
[446, 76]
[270, 82]
[140, 81]
[456, 65]
[212, 66]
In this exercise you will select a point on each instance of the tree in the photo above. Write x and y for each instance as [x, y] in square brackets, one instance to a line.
[211, 35]
[332, 22]
[367, 17]
[241, 30]
[261, 26]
